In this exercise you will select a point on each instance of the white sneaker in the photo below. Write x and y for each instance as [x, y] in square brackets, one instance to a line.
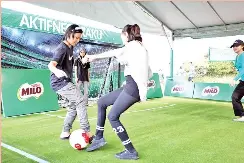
[64, 135]
[241, 119]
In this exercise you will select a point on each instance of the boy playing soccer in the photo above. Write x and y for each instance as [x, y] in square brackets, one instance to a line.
[61, 67]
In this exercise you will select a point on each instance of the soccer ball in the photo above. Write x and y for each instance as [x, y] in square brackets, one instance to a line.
[79, 139]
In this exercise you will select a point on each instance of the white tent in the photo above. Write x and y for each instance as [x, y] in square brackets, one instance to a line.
[185, 19]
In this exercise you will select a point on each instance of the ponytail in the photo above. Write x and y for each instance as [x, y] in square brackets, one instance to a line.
[133, 32]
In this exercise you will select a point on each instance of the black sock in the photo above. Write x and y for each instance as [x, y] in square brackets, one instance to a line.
[122, 134]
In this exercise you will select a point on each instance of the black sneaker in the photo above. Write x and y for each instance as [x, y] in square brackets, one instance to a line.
[96, 144]
[126, 155]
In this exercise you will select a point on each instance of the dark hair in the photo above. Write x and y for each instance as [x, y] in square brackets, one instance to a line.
[133, 31]
[71, 30]
[242, 46]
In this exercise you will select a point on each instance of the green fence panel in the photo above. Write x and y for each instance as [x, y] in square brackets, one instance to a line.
[26, 91]
[213, 91]
[179, 89]
[154, 87]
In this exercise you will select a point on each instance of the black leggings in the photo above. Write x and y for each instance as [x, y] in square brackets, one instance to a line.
[121, 99]
[236, 99]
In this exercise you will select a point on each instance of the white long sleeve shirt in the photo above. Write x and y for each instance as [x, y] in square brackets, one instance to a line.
[135, 58]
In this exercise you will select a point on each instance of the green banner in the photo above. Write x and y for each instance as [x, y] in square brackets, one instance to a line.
[15, 19]
[27, 91]
[179, 89]
[154, 87]
[213, 91]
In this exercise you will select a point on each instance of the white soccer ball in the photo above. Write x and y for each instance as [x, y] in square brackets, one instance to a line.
[79, 139]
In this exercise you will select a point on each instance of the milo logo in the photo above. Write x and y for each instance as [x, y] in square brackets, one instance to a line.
[177, 89]
[27, 91]
[151, 84]
[212, 91]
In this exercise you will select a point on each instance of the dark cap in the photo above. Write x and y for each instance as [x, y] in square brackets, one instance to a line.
[237, 43]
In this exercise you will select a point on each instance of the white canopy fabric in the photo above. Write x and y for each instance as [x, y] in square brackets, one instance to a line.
[185, 19]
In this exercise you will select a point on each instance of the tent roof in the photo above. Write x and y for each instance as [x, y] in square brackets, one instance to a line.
[184, 19]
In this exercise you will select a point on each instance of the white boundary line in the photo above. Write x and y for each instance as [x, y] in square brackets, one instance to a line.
[92, 118]
[58, 116]
[53, 111]
[32, 157]
[23, 115]
[127, 112]
[150, 109]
